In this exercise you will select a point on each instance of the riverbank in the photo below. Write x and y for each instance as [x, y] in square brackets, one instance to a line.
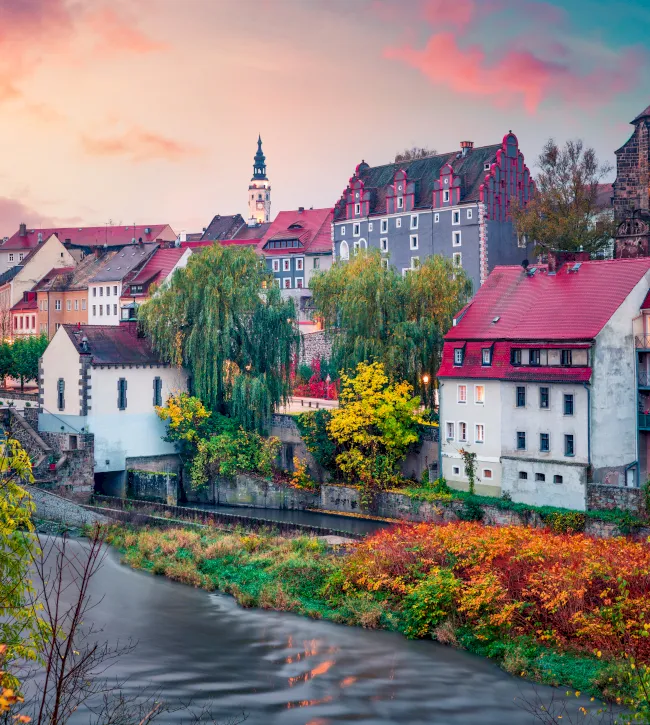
[559, 610]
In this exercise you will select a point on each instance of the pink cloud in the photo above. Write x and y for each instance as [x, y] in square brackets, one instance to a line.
[138, 145]
[517, 76]
[455, 13]
[13, 212]
[116, 35]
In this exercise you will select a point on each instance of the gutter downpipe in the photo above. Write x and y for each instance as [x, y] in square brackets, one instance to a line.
[590, 470]
[440, 429]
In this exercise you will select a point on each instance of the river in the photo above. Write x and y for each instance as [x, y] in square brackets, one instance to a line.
[282, 669]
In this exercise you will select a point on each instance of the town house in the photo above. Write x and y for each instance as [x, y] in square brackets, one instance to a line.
[540, 379]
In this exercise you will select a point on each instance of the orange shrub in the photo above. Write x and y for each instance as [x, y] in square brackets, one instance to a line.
[572, 591]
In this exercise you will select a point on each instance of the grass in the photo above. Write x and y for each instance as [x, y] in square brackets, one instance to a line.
[300, 575]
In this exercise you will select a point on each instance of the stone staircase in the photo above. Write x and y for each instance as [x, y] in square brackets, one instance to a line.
[38, 450]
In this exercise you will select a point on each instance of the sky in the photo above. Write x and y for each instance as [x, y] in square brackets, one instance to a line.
[148, 111]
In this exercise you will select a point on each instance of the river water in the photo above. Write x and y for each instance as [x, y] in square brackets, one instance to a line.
[282, 669]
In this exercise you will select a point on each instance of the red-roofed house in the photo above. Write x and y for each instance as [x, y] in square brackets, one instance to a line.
[540, 378]
[82, 239]
[158, 270]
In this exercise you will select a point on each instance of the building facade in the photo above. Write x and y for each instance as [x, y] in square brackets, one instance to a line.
[539, 378]
[455, 204]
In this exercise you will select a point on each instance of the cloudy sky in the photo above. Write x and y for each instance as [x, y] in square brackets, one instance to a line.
[148, 111]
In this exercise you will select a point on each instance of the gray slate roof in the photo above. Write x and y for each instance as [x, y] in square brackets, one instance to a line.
[119, 264]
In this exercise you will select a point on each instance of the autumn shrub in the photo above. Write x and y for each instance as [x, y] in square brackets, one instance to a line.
[430, 602]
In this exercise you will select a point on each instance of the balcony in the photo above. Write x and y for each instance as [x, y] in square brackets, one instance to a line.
[644, 421]
[642, 342]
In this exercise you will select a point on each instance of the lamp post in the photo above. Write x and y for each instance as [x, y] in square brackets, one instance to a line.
[425, 381]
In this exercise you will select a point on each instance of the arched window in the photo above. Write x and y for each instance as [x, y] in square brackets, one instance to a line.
[344, 250]
[363, 244]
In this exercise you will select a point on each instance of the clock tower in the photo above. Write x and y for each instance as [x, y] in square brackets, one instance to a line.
[259, 190]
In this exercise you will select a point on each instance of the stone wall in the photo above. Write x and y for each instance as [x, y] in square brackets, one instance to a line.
[315, 345]
[254, 492]
[607, 497]
[152, 486]
[632, 172]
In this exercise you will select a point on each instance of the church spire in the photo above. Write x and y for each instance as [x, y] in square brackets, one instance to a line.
[259, 163]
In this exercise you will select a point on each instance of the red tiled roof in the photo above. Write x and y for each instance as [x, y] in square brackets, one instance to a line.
[113, 344]
[25, 305]
[646, 302]
[501, 367]
[252, 234]
[159, 266]
[93, 236]
[563, 306]
[315, 234]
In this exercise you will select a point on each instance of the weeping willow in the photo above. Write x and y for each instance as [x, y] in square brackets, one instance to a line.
[236, 338]
[377, 315]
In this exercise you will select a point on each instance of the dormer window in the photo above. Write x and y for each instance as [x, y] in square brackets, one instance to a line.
[445, 196]
[459, 354]
[486, 356]
[534, 357]
[400, 202]
[357, 209]
[295, 225]
[515, 357]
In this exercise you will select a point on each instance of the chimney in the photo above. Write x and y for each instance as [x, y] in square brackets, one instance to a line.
[131, 326]
[301, 209]
[40, 237]
[466, 147]
[22, 230]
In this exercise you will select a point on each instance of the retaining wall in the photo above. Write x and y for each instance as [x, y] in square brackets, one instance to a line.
[152, 486]
[606, 497]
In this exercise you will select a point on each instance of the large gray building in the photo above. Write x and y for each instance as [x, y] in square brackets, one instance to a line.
[455, 204]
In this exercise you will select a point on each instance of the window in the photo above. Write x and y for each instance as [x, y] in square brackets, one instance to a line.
[384, 226]
[455, 216]
[94, 291]
[83, 304]
[480, 433]
[398, 222]
[487, 473]
[414, 221]
[383, 244]
[286, 283]
[523, 475]
[369, 226]
[33, 322]
[57, 305]
[101, 310]
[457, 259]
[121, 394]
[276, 265]
[521, 396]
[456, 470]
[56, 326]
[544, 442]
[299, 282]
[94, 310]
[68, 305]
[521, 441]
[486, 356]
[479, 394]
[16, 322]
[470, 214]
[462, 432]
[60, 394]
[101, 291]
[414, 241]
[445, 196]
[486, 166]
[557, 479]
[568, 404]
[384, 263]
[462, 393]
[278, 283]
[316, 263]
[534, 357]
[569, 449]
[456, 239]
[357, 208]
[356, 230]
[450, 431]
[21, 256]
[43, 328]
[108, 291]
[344, 250]
[458, 356]
[76, 304]
[299, 264]
[543, 398]
[342, 231]
[357, 247]
[400, 202]
[157, 391]
[11, 257]
[115, 290]
[436, 218]
[565, 357]
[415, 263]
[286, 265]
[115, 309]
[540, 477]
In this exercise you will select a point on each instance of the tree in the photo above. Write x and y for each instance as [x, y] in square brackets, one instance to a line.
[6, 360]
[566, 211]
[236, 338]
[414, 153]
[374, 426]
[376, 314]
[26, 354]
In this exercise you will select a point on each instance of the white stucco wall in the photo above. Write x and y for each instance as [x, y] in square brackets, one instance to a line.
[110, 300]
[614, 391]
[324, 261]
[61, 360]
[472, 413]
[571, 493]
[51, 254]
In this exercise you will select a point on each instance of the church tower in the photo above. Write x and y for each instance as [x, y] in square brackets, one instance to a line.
[259, 190]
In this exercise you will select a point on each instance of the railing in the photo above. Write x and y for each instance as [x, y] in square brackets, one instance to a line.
[642, 342]
[644, 379]
[644, 421]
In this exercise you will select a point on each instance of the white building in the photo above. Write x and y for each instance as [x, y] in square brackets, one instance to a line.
[539, 379]
[106, 380]
[105, 288]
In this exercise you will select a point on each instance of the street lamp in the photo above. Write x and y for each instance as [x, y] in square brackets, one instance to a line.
[425, 379]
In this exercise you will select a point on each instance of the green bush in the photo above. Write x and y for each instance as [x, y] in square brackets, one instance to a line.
[430, 603]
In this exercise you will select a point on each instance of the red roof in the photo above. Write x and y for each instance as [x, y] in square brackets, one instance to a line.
[312, 226]
[159, 266]
[93, 236]
[113, 344]
[25, 305]
[512, 305]
[501, 367]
